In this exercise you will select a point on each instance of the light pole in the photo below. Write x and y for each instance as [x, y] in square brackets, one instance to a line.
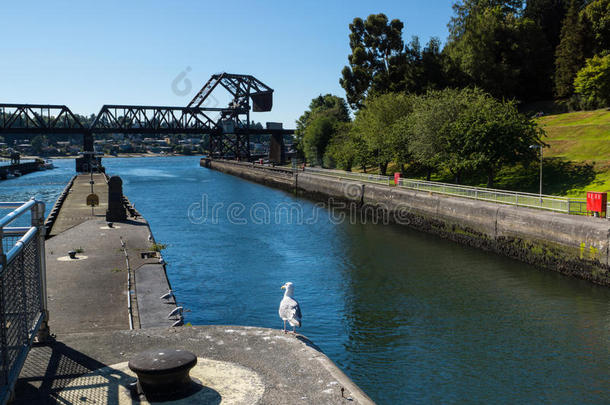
[539, 147]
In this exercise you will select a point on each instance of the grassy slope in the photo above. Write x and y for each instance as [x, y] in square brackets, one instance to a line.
[579, 143]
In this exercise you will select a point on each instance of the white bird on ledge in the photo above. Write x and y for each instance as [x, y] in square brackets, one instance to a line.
[289, 308]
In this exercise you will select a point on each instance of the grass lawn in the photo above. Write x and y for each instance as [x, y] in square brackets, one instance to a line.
[579, 152]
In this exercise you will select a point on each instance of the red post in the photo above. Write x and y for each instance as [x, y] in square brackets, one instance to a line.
[396, 178]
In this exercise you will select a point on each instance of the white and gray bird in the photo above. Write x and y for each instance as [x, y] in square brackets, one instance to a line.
[289, 308]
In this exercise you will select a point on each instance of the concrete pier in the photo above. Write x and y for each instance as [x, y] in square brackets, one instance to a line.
[23, 168]
[105, 306]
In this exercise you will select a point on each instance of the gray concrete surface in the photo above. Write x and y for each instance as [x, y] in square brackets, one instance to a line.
[291, 368]
[90, 293]
[75, 210]
[151, 284]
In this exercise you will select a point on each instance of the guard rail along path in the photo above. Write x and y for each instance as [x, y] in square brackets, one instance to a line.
[575, 206]
[23, 306]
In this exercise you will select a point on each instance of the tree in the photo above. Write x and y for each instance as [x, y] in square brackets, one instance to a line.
[329, 106]
[497, 49]
[425, 69]
[495, 134]
[592, 82]
[433, 143]
[376, 64]
[570, 53]
[318, 134]
[374, 122]
[468, 130]
[597, 14]
[548, 15]
[343, 148]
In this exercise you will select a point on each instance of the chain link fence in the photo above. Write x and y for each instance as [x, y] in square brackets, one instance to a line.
[22, 290]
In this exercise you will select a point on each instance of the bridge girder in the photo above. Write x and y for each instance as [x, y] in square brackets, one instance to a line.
[229, 131]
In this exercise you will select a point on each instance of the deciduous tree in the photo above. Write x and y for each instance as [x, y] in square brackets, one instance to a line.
[592, 82]
[374, 125]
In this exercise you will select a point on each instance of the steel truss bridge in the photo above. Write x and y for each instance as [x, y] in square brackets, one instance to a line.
[229, 128]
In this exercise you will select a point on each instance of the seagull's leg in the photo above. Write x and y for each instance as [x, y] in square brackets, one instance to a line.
[284, 326]
[294, 330]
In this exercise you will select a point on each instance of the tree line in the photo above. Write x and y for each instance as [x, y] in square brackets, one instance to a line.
[456, 108]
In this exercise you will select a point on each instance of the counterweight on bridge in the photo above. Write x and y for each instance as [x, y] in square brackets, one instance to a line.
[242, 88]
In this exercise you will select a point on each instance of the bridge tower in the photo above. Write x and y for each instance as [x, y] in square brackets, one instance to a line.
[233, 136]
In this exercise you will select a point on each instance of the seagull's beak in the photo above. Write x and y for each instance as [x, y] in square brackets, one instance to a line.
[283, 287]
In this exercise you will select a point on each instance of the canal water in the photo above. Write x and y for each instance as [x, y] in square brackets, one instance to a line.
[409, 317]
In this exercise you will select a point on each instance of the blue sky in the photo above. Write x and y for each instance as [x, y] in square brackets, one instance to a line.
[85, 54]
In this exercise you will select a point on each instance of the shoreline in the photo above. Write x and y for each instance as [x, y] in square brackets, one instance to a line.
[120, 155]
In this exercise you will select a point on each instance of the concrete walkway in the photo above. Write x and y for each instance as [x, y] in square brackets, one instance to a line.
[264, 366]
[90, 292]
[75, 210]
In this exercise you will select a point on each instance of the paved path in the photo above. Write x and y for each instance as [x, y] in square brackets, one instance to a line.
[75, 210]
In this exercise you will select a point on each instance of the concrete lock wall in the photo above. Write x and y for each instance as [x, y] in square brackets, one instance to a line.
[569, 244]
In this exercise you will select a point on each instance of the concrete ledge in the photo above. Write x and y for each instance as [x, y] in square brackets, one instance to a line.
[291, 368]
[151, 284]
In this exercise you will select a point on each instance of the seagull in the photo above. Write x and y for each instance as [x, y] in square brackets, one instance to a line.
[289, 308]
[150, 238]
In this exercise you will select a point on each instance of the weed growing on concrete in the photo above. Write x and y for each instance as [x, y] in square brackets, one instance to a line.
[157, 247]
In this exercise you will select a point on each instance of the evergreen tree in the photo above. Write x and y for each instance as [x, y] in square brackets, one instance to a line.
[497, 49]
[377, 61]
[570, 53]
[548, 16]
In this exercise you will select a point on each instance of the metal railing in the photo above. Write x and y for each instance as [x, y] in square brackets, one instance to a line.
[23, 298]
[574, 206]
[371, 178]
